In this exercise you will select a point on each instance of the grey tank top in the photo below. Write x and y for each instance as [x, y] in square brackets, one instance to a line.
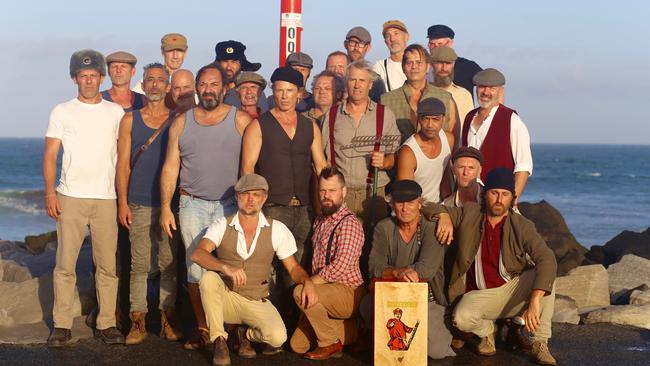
[210, 157]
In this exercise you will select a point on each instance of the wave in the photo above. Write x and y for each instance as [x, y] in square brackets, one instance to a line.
[26, 202]
[594, 174]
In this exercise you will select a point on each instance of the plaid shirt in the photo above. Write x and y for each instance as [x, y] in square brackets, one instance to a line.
[345, 250]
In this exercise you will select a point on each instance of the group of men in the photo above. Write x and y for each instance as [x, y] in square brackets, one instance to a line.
[283, 203]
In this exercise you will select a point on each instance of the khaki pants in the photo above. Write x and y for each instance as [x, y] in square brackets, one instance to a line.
[222, 305]
[360, 202]
[477, 310]
[331, 319]
[76, 215]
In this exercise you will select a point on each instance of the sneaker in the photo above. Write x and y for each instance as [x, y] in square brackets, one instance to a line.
[542, 354]
[487, 347]
[110, 335]
[59, 337]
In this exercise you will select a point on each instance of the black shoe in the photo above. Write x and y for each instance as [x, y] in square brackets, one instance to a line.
[270, 350]
[59, 337]
[110, 335]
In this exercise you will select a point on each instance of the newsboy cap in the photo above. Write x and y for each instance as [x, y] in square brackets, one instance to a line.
[173, 41]
[431, 107]
[360, 33]
[443, 54]
[234, 50]
[440, 31]
[300, 59]
[250, 77]
[250, 182]
[500, 178]
[467, 152]
[289, 75]
[87, 59]
[489, 77]
[121, 56]
[405, 190]
[398, 24]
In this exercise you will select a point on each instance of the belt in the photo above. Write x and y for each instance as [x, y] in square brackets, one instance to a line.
[183, 192]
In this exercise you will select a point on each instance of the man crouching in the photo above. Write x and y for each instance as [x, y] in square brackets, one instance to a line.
[235, 289]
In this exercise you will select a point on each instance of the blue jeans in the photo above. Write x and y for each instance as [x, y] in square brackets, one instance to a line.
[195, 215]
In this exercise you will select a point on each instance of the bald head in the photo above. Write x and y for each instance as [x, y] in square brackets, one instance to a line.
[182, 83]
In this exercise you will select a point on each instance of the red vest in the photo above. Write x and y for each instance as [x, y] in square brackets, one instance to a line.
[496, 148]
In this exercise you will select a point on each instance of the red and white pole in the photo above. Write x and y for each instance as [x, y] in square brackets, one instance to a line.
[290, 28]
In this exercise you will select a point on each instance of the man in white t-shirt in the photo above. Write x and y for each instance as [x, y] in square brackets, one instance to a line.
[235, 287]
[396, 37]
[87, 129]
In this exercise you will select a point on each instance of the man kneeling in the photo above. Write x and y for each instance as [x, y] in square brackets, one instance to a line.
[235, 288]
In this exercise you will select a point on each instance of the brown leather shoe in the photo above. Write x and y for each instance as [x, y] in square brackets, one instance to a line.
[168, 327]
[221, 355]
[324, 353]
[541, 353]
[246, 349]
[199, 340]
[487, 346]
[138, 332]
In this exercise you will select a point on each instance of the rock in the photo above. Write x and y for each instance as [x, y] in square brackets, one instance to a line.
[565, 310]
[633, 315]
[629, 273]
[36, 244]
[587, 285]
[10, 271]
[627, 242]
[37, 333]
[551, 226]
[640, 296]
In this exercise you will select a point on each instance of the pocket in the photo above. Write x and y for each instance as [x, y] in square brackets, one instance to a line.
[184, 201]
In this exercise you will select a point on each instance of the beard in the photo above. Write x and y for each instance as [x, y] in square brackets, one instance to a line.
[443, 81]
[330, 210]
[209, 104]
[497, 209]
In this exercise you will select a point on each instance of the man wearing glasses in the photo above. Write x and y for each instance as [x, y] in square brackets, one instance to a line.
[357, 44]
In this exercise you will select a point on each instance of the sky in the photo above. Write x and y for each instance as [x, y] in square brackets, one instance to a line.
[577, 72]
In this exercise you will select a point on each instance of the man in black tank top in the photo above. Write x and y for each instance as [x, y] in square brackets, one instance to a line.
[283, 146]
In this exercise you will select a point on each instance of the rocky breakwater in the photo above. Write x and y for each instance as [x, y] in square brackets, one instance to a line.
[27, 293]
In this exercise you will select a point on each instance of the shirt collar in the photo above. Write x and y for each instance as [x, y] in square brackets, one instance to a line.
[261, 222]
[344, 104]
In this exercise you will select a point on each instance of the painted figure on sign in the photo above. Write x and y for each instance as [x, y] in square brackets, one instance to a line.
[397, 331]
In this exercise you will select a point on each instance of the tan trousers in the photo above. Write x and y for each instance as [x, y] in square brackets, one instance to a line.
[222, 305]
[77, 214]
[477, 310]
[360, 202]
[330, 320]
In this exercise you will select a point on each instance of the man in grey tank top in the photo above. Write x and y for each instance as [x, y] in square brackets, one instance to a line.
[204, 147]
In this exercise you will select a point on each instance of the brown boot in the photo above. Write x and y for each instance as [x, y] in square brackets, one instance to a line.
[487, 347]
[542, 354]
[221, 355]
[168, 327]
[246, 349]
[138, 332]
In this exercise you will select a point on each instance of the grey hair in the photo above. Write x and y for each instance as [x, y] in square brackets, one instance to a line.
[155, 65]
[339, 85]
[361, 65]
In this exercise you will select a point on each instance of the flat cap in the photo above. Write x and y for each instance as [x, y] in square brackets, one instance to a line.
[250, 77]
[393, 24]
[289, 75]
[443, 54]
[234, 50]
[87, 59]
[431, 107]
[405, 190]
[173, 41]
[440, 31]
[489, 77]
[500, 178]
[360, 33]
[250, 182]
[121, 56]
[300, 59]
[468, 152]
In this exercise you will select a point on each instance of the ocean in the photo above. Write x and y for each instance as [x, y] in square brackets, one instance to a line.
[600, 190]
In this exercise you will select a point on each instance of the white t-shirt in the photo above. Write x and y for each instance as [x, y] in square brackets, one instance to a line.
[395, 73]
[88, 134]
[284, 244]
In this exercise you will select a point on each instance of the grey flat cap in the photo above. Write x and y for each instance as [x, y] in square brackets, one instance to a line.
[489, 77]
[121, 56]
[250, 77]
[360, 33]
[250, 182]
[443, 54]
[300, 59]
[431, 107]
[87, 59]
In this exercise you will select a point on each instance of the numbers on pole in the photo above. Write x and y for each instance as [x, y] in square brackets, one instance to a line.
[291, 40]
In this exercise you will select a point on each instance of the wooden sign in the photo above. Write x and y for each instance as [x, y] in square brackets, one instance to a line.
[401, 323]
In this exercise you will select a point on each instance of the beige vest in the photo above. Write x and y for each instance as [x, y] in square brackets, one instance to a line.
[257, 266]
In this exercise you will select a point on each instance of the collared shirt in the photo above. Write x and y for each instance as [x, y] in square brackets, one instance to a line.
[464, 101]
[282, 240]
[519, 140]
[390, 72]
[354, 161]
[486, 271]
[345, 251]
